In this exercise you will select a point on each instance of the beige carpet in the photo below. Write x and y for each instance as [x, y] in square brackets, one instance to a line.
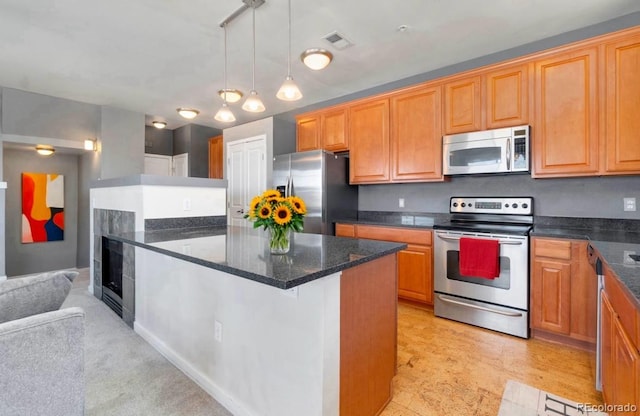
[522, 400]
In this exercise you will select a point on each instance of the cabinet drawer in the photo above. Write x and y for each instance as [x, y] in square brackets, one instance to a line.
[396, 234]
[557, 249]
[345, 230]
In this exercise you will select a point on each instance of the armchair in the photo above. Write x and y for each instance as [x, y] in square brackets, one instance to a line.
[41, 347]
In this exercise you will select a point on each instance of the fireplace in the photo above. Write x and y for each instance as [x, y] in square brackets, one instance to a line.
[112, 261]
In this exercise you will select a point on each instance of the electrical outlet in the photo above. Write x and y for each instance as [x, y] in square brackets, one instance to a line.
[629, 204]
[626, 259]
[186, 204]
[217, 331]
[186, 249]
[401, 202]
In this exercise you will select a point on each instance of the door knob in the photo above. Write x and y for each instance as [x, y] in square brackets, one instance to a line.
[240, 211]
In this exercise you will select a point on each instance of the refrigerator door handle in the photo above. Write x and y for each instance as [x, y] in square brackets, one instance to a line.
[290, 187]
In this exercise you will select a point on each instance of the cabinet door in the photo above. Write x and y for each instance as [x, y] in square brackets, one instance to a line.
[335, 136]
[625, 367]
[606, 349]
[551, 296]
[216, 165]
[415, 273]
[416, 135]
[584, 295]
[565, 133]
[507, 97]
[462, 106]
[622, 104]
[308, 134]
[345, 230]
[369, 142]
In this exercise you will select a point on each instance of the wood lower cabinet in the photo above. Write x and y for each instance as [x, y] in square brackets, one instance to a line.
[416, 135]
[620, 354]
[622, 98]
[369, 142]
[563, 291]
[415, 263]
[565, 134]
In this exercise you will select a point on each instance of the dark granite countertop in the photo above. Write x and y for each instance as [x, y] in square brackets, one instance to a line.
[244, 251]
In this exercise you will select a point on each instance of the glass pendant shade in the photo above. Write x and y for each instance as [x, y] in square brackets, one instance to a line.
[289, 91]
[225, 114]
[253, 103]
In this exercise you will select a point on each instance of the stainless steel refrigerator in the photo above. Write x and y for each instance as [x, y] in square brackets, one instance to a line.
[321, 179]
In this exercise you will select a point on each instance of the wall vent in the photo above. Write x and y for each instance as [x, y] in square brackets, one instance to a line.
[337, 40]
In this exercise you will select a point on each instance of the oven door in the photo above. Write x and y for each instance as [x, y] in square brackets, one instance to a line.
[510, 289]
[462, 157]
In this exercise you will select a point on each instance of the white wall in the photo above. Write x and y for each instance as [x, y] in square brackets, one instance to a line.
[279, 353]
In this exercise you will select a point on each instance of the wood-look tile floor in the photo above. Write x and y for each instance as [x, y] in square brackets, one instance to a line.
[450, 368]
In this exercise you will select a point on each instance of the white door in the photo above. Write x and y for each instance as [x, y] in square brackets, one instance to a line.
[157, 164]
[247, 175]
[181, 165]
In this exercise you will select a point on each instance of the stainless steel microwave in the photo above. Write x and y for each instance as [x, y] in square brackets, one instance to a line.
[503, 150]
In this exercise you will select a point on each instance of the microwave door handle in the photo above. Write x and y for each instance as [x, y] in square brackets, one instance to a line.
[509, 154]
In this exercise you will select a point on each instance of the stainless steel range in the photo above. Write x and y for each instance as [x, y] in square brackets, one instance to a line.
[463, 291]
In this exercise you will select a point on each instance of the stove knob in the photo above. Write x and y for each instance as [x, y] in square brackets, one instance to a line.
[514, 205]
[463, 205]
[525, 206]
[506, 205]
[470, 204]
[455, 204]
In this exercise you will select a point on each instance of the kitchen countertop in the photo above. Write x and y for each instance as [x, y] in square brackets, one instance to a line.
[244, 251]
[613, 238]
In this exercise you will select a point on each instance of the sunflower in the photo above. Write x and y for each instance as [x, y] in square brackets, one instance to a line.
[282, 214]
[265, 211]
[271, 193]
[298, 205]
[253, 206]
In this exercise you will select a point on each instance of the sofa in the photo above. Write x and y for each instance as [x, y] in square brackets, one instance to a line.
[41, 347]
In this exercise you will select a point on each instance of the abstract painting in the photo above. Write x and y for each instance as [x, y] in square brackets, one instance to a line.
[42, 207]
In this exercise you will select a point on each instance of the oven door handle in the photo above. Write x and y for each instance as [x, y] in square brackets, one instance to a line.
[482, 308]
[511, 243]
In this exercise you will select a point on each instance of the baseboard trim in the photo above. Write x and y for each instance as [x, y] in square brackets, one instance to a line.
[221, 396]
[3, 278]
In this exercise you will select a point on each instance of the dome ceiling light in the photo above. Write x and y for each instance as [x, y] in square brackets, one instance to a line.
[45, 150]
[316, 58]
[159, 124]
[188, 113]
[230, 95]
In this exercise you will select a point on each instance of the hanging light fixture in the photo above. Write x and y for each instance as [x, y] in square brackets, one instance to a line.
[289, 91]
[225, 114]
[253, 103]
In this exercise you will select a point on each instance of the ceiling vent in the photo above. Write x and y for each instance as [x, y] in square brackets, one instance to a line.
[337, 40]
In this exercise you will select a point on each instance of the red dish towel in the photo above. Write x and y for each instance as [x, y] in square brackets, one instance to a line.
[479, 258]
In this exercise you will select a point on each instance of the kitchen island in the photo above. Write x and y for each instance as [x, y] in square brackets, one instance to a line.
[311, 332]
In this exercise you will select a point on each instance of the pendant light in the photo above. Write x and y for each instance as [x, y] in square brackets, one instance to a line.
[224, 114]
[289, 91]
[253, 103]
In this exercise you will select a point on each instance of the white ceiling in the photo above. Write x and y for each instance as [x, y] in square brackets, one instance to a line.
[152, 56]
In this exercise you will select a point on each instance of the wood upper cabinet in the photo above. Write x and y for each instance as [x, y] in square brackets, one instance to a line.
[369, 142]
[507, 96]
[216, 157]
[416, 135]
[563, 289]
[622, 98]
[565, 134]
[462, 105]
[308, 133]
[334, 130]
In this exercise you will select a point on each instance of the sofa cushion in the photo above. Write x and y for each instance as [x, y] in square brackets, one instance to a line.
[31, 295]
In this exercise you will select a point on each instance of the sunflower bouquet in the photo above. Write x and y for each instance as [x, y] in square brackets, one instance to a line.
[277, 214]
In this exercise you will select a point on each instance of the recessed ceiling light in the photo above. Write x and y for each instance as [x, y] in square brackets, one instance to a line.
[45, 150]
[188, 113]
[159, 124]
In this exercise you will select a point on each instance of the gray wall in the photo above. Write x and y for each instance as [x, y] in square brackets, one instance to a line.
[37, 257]
[597, 197]
[193, 139]
[158, 141]
[122, 136]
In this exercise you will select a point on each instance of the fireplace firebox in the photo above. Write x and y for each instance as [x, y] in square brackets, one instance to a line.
[112, 261]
